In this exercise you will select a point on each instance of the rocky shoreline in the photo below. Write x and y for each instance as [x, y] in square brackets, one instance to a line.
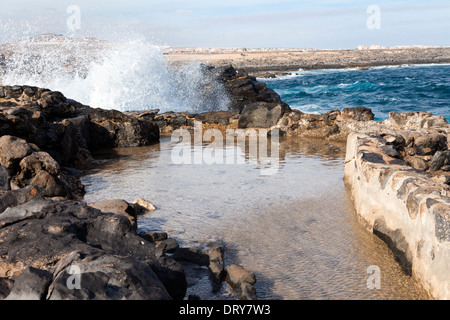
[46, 140]
[396, 170]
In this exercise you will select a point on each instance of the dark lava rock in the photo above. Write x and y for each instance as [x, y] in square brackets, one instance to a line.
[112, 128]
[12, 150]
[171, 274]
[104, 277]
[14, 198]
[243, 89]
[6, 286]
[430, 144]
[391, 151]
[237, 275]
[119, 206]
[23, 164]
[40, 233]
[242, 280]
[168, 246]
[358, 113]
[5, 178]
[154, 236]
[68, 130]
[193, 255]
[417, 163]
[40, 170]
[262, 115]
[46, 131]
[439, 160]
[216, 266]
[31, 284]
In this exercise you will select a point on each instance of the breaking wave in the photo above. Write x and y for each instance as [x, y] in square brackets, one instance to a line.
[128, 75]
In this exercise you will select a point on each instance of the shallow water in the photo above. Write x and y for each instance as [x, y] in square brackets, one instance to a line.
[296, 229]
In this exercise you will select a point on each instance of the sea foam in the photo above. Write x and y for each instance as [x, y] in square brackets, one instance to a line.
[123, 75]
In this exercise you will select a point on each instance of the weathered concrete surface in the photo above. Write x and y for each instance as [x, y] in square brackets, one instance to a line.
[407, 208]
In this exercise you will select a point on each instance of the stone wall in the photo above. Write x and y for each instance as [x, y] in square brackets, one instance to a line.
[406, 207]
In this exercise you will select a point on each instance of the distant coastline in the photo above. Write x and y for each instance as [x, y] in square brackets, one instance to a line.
[260, 62]
[271, 62]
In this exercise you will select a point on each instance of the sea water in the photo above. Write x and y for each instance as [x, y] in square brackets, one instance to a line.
[296, 229]
[382, 89]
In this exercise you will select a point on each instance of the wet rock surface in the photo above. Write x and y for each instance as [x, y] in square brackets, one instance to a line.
[242, 280]
[116, 261]
[44, 140]
[66, 129]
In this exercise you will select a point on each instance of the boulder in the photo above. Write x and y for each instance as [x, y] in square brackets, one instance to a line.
[248, 292]
[216, 266]
[14, 198]
[31, 284]
[193, 255]
[112, 128]
[237, 275]
[104, 277]
[38, 161]
[439, 160]
[154, 236]
[51, 230]
[145, 205]
[429, 144]
[40, 170]
[243, 89]
[172, 275]
[242, 280]
[216, 263]
[417, 163]
[5, 179]
[12, 150]
[6, 286]
[262, 115]
[358, 114]
[168, 246]
[118, 207]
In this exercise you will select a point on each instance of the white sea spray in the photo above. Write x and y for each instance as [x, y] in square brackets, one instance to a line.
[123, 75]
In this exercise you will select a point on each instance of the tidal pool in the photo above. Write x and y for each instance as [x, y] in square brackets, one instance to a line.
[295, 229]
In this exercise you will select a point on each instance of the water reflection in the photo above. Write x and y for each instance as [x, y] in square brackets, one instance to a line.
[295, 229]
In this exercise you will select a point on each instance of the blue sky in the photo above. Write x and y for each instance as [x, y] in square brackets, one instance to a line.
[239, 23]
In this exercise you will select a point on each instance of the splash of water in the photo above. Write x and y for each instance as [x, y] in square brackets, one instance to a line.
[129, 75]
